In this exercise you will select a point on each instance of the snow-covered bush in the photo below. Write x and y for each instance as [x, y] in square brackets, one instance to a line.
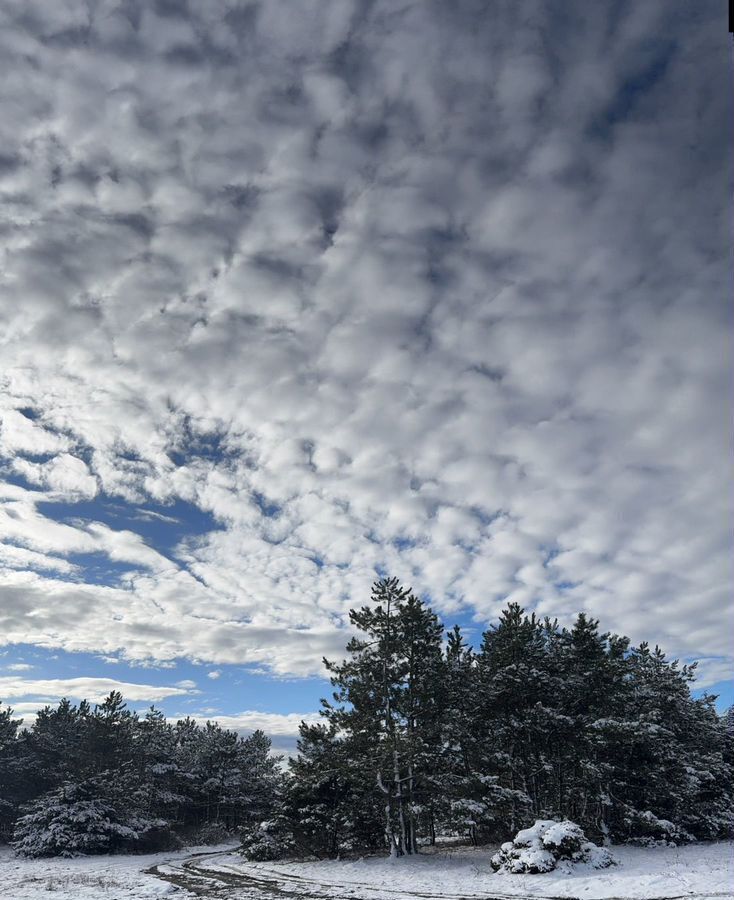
[650, 831]
[74, 820]
[542, 846]
[564, 839]
[266, 841]
[211, 833]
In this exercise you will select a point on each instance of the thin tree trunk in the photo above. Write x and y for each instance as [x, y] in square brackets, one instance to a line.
[399, 794]
[412, 842]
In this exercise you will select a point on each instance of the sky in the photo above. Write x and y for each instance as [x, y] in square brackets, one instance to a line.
[296, 294]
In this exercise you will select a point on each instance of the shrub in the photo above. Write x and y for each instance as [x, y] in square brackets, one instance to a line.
[650, 831]
[212, 833]
[541, 847]
[74, 820]
[266, 841]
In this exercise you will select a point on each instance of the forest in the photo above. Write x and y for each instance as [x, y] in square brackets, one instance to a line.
[423, 736]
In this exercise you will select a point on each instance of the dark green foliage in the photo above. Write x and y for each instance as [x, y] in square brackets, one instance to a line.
[389, 701]
[542, 723]
[419, 738]
[85, 780]
[13, 773]
[98, 815]
[333, 808]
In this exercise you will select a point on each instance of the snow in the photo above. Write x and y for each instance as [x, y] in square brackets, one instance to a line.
[559, 833]
[88, 877]
[702, 871]
[541, 847]
[529, 836]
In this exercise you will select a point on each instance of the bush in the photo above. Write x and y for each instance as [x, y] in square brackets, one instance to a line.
[650, 831]
[266, 841]
[541, 847]
[74, 820]
[212, 833]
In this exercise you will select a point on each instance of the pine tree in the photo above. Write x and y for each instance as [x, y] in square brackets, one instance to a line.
[728, 721]
[14, 781]
[465, 801]
[96, 815]
[594, 675]
[261, 777]
[156, 765]
[512, 678]
[59, 744]
[320, 802]
[389, 699]
[111, 729]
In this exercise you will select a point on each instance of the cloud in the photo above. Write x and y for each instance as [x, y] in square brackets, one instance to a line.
[214, 674]
[277, 725]
[49, 690]
[414, 288]
[713, 671]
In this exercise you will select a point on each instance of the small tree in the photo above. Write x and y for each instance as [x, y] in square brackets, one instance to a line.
[99, 815]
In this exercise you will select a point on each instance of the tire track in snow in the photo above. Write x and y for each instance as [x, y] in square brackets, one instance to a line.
[227, 883]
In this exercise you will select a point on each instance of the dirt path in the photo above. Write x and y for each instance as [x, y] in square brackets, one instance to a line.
[216, 883]
[196, 876]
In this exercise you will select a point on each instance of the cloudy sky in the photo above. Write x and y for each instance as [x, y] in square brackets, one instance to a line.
[294, 293]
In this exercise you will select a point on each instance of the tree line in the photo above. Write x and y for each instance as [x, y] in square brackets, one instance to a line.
[86, 779]
[422, 736]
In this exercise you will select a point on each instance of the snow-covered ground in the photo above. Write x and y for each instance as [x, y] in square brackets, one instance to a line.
[88, 877]
[700, 871]
[705, 870]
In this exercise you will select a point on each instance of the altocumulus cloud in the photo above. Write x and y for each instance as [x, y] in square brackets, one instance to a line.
[430, 288]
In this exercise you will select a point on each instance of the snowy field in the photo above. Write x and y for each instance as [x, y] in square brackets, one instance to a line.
[701, 871]
[89, 877]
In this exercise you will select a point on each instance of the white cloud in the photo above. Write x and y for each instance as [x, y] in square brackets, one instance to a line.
[214, 674]
[93, 689]
[476, 338]
[64, 473]
[279, 725]
[713, 671]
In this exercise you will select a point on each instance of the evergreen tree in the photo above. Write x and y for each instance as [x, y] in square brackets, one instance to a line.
[157, 766]
[97, 815]
[330, 809]
[59, 744]
[514, 686]
[593, 688]
[388, 698]
[457, 792]
[111, 729]
[14, 783]
[728, 721]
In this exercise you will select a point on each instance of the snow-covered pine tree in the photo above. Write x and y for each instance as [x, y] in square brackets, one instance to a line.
[513, 678]
[156, 766]
[329, 805]
[728, 721]
[387, 697]
[664, 755]
[58, 743]
[261, 777]
[111, 729]
[456, 804]
[421, 711]
[593, 683]
[97, 815]
[14, 782]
